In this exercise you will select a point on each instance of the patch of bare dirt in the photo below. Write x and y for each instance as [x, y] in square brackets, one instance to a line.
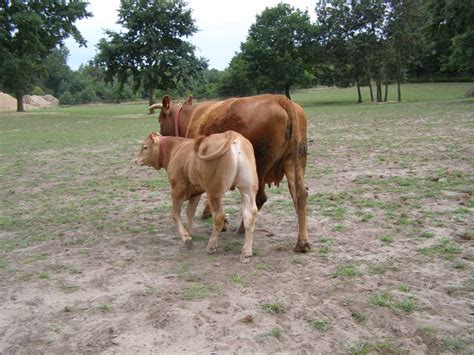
[8, 103]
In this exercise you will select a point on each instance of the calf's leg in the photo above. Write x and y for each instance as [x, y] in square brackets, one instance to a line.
[260, 198]
[249, 212]
[206, 213]
[215, 202]
[191, 211]
[177, 204]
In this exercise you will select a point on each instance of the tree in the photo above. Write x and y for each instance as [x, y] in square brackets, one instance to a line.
[151, 50]
[29, 31]
[451, 31]
[58, 74]
[404, 40]
[236, 80]
[277, 47]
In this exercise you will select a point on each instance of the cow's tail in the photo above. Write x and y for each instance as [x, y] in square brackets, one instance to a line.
[295, 139]
[201, 150]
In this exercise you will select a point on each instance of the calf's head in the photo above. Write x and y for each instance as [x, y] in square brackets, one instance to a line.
[149, 153]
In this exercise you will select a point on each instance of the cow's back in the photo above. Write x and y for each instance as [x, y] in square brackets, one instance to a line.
[264, 120]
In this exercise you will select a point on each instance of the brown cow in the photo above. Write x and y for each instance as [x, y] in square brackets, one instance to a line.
[213, 165]
[276, 127]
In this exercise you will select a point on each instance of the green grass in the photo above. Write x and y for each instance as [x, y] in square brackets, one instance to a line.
[404, 287]
[385, 299]
[346, 271]
[263, 266]
[446, 249]
[105, 307]
[334, 98]
[359, 316]
[386, 238]
[275, 333]
[236, 278]
[364, 348]
[321, 325]
[273, 308]
[198, 290]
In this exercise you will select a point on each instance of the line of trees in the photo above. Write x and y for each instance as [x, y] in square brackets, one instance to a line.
[351, 43]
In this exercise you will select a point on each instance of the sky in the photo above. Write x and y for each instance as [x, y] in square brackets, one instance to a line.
[222, 25]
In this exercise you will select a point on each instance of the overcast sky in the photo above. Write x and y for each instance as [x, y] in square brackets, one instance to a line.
[222, 24]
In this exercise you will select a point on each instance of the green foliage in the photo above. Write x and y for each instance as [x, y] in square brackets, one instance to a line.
[277, 48]
[151, 50]
[367, 40]
[87, 85]
[450, 34]
[30, 30]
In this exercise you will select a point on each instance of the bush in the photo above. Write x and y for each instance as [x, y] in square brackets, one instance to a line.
[37, 91]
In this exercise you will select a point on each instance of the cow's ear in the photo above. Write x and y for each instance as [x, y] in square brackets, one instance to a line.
[154, 137]
[166, 102]
[189, 100]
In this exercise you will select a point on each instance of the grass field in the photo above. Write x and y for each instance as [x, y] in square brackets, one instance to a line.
[90, 260]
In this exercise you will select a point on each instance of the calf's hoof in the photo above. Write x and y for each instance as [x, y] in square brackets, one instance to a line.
[245, 258]
[225, 227]
[302, 246]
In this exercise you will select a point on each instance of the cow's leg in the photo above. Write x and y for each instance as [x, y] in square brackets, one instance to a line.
[299, 195]
[218, 218]
[177, 204]
[191, 211]
[249, 212]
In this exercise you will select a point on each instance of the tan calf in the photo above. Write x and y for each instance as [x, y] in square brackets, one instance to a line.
[214, 165]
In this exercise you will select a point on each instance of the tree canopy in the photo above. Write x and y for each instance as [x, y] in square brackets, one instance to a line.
[29, 31]
[151, 49]
[277, 48]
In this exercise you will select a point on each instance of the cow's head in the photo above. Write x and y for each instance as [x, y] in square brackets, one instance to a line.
[150, 151]
[168, 114]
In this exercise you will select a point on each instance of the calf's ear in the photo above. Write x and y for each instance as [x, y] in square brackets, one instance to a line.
[154, 137]
[166, 102]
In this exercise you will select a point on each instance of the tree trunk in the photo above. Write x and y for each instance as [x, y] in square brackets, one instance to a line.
[359, 96]
[386, 91]
[19, 102]
[287, 91]
[399, 90]
[151, 100]
[399, 74]
[378, 84]
[371, 91]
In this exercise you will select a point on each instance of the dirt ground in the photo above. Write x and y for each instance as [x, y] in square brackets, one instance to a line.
[92, 262]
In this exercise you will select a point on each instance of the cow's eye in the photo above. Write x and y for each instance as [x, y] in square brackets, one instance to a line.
[145, 147]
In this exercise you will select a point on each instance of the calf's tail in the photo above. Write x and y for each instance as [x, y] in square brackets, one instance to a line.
[201, 150]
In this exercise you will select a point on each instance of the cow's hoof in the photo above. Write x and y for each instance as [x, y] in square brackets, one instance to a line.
[206, 214]
[211, 250]
[188, 243]
[245, 258]
[302, 247]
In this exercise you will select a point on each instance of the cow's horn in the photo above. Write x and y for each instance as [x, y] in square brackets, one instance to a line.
[152, 107]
